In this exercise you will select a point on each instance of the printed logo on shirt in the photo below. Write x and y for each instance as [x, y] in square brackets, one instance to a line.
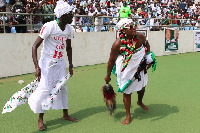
[60, 38]
[58, 54]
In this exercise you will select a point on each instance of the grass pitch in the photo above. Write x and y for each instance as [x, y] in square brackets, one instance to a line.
[172, 95]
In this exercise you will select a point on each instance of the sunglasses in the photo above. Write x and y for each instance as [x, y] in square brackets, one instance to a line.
[132, 26]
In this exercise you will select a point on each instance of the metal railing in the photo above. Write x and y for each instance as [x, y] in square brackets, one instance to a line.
[181, 26]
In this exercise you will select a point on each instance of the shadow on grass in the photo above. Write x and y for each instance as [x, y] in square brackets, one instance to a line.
[80, 115]
[156, 112]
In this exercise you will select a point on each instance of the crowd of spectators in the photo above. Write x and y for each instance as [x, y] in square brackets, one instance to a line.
[152, 14]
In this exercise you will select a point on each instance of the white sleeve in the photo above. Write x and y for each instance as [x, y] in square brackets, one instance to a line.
[71, 32]
[45, 31]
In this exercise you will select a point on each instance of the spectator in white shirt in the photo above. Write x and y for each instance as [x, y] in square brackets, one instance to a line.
[113, 10]
[98, 19]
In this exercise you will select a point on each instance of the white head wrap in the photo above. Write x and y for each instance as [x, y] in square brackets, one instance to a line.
[62, 7]
[123, 22]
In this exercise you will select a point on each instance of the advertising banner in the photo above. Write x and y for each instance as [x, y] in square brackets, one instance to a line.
[171, 39]
[196, 40]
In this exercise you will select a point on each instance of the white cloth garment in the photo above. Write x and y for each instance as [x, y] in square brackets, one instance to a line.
[129, 72]
[51, 73]
[54, 39]
[52, 65]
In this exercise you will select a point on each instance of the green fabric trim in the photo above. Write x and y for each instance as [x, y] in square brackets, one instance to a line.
[155, 62]
[114, 70]
[148, 53]
[125, 86]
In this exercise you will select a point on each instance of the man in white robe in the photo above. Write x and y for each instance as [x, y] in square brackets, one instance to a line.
[56, 36]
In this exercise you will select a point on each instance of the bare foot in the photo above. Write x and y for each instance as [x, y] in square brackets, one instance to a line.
[41, 125]
[143, 106]
[126, 121]
[70, 118]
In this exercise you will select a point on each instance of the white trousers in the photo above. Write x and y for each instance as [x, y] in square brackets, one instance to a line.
[51, 73]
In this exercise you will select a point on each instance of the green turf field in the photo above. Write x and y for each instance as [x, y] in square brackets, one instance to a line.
[172, 95]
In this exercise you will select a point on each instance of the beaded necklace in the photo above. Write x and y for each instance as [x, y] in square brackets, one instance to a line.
[127, 48]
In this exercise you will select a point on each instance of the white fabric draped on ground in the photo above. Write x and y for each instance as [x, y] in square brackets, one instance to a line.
[50, 92]
[22, 96]
[128, 74]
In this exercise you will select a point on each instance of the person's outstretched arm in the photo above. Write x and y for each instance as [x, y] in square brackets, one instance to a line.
[113, 56]
[69, 55]
[34, 56]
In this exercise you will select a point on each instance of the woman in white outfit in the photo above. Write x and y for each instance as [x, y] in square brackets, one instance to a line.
[56, 36]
